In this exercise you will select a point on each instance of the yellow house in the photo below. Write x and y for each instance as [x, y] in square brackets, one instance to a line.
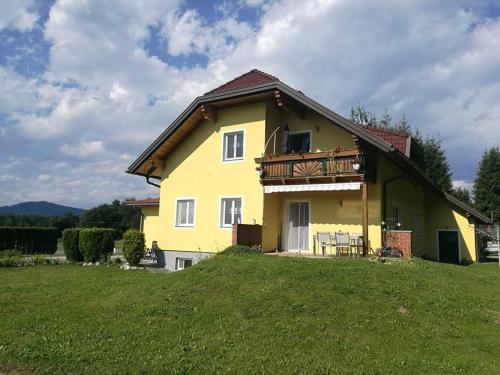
[256, 161]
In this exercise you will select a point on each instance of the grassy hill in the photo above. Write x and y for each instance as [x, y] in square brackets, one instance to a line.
[40, 208]
[253, 314]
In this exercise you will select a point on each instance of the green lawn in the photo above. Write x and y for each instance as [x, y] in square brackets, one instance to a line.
[253, 314]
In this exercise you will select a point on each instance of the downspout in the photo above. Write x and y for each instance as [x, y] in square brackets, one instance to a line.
[152, 183]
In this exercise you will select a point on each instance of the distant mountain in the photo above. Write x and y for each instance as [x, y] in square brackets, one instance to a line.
[40, 208]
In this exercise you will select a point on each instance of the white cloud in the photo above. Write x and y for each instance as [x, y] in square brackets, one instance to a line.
[84, 149]
[187, 33]
[463, 184]
[17, 14]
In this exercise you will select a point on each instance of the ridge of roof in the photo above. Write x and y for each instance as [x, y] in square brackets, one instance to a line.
[251, 78]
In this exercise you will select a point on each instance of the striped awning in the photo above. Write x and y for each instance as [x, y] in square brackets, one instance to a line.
[312, 187]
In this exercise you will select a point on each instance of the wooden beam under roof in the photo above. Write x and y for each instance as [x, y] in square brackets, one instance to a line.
[209, 113]
[289, 105]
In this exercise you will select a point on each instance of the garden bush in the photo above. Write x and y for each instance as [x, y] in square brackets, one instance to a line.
[240, 249]
[29, 240]
[10, 253]
[133, 246]
[96, 244]
[71, 239]
[22, 261]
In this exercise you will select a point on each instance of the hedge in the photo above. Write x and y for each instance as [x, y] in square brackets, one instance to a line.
[29, 240]
[96, 244]
[133, 246]
[71, 238]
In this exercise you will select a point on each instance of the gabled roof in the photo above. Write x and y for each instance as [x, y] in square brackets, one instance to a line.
[252, 78]
[254, 83]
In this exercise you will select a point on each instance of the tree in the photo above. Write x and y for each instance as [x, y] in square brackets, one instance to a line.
[487, 184]
[435, 163]
[116, 215]
[403, 127]
[359, 115]
[462, 194]
[386, 120]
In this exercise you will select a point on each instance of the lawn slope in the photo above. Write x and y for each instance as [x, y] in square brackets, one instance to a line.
[253, 314]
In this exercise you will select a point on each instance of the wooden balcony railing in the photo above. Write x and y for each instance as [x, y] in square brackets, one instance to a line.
[312, 167]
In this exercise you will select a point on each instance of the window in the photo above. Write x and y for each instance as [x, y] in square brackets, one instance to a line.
[230, 212]
[397, 216]
[181, 263]
[184, 215]
[233, 146]
[299, 142]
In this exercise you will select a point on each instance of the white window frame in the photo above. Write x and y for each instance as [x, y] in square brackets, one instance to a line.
[303, 132]
[225, 159]
[221, 216]
[185, 226]
[178, 261]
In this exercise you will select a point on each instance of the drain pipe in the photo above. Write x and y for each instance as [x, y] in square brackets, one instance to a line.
[151, 183]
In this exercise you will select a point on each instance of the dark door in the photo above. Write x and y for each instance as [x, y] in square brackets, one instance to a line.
[448, 246]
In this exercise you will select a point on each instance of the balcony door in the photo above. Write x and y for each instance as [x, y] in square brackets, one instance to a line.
[298, 226]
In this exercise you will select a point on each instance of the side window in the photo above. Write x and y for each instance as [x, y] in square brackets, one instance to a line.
[184, 214]
[230, 212]
[233, 146]
[397, 216]
[181, 263]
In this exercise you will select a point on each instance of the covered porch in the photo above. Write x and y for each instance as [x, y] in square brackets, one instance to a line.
[334, 219]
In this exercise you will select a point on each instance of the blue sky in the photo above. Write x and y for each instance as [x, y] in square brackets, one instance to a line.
[85, 86]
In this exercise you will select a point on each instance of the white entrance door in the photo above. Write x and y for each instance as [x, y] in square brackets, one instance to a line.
[298, 226]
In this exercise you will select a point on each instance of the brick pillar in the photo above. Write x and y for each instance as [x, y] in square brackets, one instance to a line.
[399, 239]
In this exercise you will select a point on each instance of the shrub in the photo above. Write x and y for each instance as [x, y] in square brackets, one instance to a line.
[29, 240]
[9, 253]
[96, 244]
[71, 238]
[20, 261]
[240, 249]
[133, 246]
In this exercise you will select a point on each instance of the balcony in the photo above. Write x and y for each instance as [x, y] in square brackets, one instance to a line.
[314, 167]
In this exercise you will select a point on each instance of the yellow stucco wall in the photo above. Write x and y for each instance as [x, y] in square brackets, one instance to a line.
[151, 224]
[443, 216]
[324, 136]
[196, 170]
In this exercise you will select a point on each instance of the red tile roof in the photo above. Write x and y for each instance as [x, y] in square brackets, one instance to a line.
[144, 202]
[252, 78]
[394, 138]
